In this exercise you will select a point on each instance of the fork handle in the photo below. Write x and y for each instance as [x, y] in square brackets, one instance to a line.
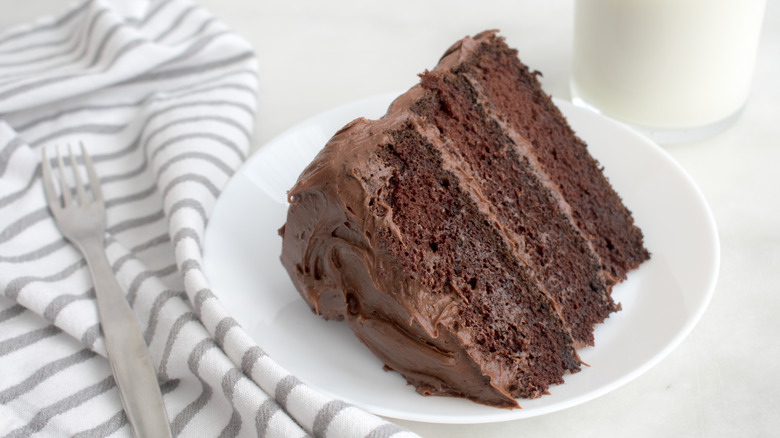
[127, 351]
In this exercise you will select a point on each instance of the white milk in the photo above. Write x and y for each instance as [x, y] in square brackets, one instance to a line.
[665, 64]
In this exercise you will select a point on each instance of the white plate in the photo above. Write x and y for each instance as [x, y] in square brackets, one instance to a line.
[662, 300]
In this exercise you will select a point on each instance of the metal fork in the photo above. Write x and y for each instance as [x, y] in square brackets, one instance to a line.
[83, 222]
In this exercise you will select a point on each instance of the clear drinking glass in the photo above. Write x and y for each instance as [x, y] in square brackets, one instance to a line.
[677, 70]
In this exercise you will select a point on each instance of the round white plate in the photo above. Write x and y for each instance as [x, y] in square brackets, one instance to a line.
[662, 300]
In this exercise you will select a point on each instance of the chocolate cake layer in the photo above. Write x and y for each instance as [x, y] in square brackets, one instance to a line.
[524, 209]
[516, 94]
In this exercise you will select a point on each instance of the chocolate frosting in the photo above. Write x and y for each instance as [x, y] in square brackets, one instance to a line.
[342, 272]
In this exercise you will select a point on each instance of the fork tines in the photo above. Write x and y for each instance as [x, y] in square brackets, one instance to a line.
[67, 198]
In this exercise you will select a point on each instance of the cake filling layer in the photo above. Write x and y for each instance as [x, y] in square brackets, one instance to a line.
[503, 320]
[521, 206]
[596, 209]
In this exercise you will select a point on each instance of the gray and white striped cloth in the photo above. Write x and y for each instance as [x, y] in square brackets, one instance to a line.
[164, 97]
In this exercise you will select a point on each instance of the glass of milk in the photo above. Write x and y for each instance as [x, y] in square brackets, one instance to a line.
[677, 70]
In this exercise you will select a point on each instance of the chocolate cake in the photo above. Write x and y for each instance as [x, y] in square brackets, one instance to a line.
[467, 237]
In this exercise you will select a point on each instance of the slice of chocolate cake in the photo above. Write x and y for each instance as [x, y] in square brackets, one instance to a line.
[467, 237]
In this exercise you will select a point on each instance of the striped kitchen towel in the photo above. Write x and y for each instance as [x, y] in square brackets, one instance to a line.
[164, 97]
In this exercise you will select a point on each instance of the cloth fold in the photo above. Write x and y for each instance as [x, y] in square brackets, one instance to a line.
[163, 95]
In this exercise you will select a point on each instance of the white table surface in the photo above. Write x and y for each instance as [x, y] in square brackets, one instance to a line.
[723, 380]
